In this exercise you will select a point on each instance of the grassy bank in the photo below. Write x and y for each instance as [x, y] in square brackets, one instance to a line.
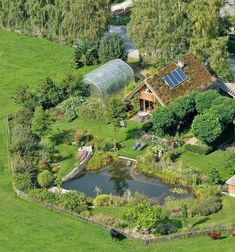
[25, 226]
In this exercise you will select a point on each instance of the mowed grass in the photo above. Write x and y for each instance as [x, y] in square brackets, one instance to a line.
[25, 226]
[98, 130]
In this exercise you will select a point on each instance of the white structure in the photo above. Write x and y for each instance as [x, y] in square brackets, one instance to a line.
[122, 6]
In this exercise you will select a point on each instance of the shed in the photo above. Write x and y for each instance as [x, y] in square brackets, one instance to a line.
[110, 77]
[231, 186]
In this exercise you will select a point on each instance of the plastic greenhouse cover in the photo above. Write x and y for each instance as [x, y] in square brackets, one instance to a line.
[111, 77]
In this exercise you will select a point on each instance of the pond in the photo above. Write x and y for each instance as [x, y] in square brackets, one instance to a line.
[117, 179]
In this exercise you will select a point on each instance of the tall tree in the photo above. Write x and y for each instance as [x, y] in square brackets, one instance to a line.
[159, 28]
[40, 122]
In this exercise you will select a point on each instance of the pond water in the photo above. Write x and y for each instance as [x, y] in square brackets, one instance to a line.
[117, 179]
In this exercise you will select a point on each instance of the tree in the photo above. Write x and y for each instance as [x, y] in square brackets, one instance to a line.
[112, 47]
[40, 122]
[115, 112]
[164, 122]
[25, 98]
[206, 128]
[160, 29]
[49, 95]
[219, 58]
[45, 179]
[204, 17]
[87, 19]
[225, 113]
[205, 100]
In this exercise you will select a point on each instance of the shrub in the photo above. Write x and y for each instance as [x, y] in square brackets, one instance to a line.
[146, 215]
[200, 149]
[117, 201]
[23, 181]
[101, 160]
[207, 207]
[73, 201]
[85, 214]
[101, 200]
[45, 178]
[93, 109]
[104, 219]
[147, 127]
[166, 228]
[43, 195]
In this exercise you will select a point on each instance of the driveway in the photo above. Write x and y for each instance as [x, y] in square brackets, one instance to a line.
[122, 30]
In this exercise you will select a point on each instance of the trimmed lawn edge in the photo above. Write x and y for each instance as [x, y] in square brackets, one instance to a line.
[179, 235]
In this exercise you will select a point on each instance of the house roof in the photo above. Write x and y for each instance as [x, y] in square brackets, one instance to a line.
[231, 181]
[198, 78]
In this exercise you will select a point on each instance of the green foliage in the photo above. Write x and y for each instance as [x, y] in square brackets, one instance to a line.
[25, 98]
[48, 94]
[207, 207]
[73, 201]
[200, 149]
[43, 195]
[219, 58]
[146, 215]
[159, 26]
[70, 106]
[101, 160]
[111, 47]
[214, 176]
[93, 109]
[40, 122]
[205, 100]
[101, 200]
[147, 126]
[164, 122]
[23, 181]
[59, 20]
[45, 178]
[206, 128]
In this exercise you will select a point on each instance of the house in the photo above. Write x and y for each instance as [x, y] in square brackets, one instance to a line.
[173, 81]
[231, 186]
[109, 78]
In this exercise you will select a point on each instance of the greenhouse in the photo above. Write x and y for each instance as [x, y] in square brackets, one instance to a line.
[110, 77]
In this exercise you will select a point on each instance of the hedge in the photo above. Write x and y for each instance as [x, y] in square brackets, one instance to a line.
[200, 149]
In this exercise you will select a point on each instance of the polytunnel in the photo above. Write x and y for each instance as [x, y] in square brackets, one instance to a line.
[110, 77]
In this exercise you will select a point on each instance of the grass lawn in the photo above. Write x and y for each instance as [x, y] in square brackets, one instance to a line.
[25, 226]
[97, 129]
[217, 159]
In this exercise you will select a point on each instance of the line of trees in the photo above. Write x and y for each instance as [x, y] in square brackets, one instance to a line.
[57, 19]
[164, 29]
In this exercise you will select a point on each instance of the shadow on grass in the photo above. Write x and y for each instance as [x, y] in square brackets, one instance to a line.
[67, 157]
[59, 137]
[201, 221]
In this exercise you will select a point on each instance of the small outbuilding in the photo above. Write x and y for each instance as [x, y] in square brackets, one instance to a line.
[231, 186]
[111, 77]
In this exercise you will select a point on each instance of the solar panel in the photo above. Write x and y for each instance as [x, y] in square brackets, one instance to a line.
[175, 78]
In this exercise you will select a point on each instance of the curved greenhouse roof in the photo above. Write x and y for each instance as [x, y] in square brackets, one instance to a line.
[110, 77]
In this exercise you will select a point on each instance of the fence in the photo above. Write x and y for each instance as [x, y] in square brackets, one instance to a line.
[181, 235]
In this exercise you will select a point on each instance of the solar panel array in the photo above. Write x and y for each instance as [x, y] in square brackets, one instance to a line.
[175, 78]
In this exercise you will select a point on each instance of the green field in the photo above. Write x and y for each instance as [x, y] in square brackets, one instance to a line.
[28, 227]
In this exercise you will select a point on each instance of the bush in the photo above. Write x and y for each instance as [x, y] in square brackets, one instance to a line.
[23, 181]
[101, 160]
[73, 201]
[104, 219]
[200, 149]
[147, 127]
[117, 201]
[166, 228]
[45, 178]
[146, 215]
[92, 109]
[207, 207]
[43, 195]
[101, 200]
